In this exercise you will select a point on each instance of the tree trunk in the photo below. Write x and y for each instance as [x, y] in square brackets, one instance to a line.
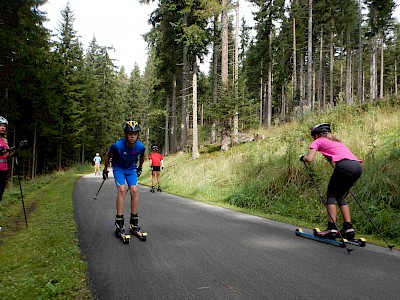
[283, 107]
[34, 154]
[236, 116]
[373, 70]
[215, 80]
[341, 65]
[174, 123]
[224, 63]
[185, 86]
[302, 91]
[295, 97]
[359, 75]
[309, 56]
[166, 130]
[395, 77]
[261, 95]
[225, 38]
[269, 112]
[349, 93]
[314, 77]
[195, 148]
[382, 59]
[320, 72]
[331, 69]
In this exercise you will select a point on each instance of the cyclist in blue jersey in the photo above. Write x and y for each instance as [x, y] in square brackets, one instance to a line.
[127, 156]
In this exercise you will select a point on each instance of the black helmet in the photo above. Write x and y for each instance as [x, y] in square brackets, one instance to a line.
[131, 126]
[154, 148]
[320, 128]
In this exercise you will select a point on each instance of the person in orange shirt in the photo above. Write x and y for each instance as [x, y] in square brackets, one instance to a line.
[156, 165]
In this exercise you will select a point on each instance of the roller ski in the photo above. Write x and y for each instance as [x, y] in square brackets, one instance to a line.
[329, 238]
[138, 233]
[135, 229]
[152, 190]
[347, 235]
[120, 230]
[159, 189]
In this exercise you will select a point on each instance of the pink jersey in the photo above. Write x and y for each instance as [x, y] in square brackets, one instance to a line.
[3, 158]
[333, 150]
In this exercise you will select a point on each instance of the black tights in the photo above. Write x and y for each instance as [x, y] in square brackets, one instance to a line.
[3, 182]
[344, 176]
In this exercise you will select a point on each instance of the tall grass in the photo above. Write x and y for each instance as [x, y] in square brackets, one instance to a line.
[267, 178]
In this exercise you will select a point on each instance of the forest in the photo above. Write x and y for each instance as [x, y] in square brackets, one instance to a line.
[305, 56]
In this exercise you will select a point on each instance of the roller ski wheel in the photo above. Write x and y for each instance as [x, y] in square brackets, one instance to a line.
[124, 237]
[138, 233]
[361, 242]
[159, 189]
[152, 190]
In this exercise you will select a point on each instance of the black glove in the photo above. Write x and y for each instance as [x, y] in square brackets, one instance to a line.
[2, 151]
[105, 174]
[302, 158]
[139, 172]
[162, 168]
[151, 168]
[23, 144]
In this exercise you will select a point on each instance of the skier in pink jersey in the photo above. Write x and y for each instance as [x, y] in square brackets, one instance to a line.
[3, 155]
[347, 170]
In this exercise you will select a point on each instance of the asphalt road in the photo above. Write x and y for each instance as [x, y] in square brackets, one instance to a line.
[198, 251]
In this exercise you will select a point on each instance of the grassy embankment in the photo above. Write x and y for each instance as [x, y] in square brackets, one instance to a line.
[266, 178]
[263, 178]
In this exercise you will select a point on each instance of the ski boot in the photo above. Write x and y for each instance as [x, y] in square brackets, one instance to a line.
[135, 229]
[330, 233]
[159, 189]
[348, 231]
[152, 189]
[120, 230]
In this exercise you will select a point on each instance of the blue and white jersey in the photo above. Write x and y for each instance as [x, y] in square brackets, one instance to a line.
[125, 157]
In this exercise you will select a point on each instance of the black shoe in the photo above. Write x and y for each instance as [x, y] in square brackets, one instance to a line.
[328, 234]
[119, 231]
[348, 233]
[134, 228]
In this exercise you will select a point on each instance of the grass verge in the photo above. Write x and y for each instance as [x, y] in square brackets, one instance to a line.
[42, 261]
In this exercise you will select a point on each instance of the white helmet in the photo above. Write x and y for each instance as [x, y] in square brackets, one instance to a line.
[3, 120]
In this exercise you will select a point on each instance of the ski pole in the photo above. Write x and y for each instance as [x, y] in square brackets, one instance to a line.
[326, 207]
[20, 188]
[94, 197]
[366, 214]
